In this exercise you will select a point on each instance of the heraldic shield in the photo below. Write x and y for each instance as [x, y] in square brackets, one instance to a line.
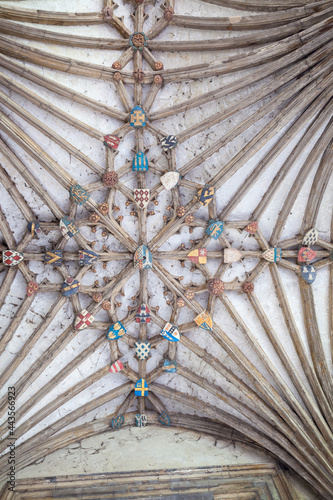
[204, 321]
[169, 142]
[141, 197]
[70, 287]
[205, 195]
[164, 418]
[310, 238]
[137, 117]
[87, 257]
[171, 333]
[116, 331]
[83, 320]
[34, 228]
[140, 162]
[309, 273]
[11, 257]
[142, 314]
[142, 258]
[117, 422]
[141, 420]
[198, 256]
[306, 254]
[169, 366]
[53, 257]
[215, 228]
[273, 254]
[68, 228]
[79, 194]
[116, 367]
[252, 228]
[142, 350]
[112, 141]
[141, 388]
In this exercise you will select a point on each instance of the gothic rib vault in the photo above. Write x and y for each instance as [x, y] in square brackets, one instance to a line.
[187, 210]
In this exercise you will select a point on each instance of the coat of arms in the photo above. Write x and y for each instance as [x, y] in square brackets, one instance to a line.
[112, 141]
[141, 388]
[308, 273]
[140, 162]
[143, 258]
[83, 320]
[171, 333]
[164, 418]
[141, 197]
[205, 195]
[310, 238]
[53, 257]
[252, 228]
[306, 254]
[70, 287]
[169, 366]
[116, 367]
[204, 321]
[137, 117]
[169, 142]
[198, 256]
[116, 331]
[87, 257]
[142, 350]
[68, 228]
[79, 194]
[142, 314]
[273, 254]
[215, 228]
[117, 422]
[11, 257]
[34, 228]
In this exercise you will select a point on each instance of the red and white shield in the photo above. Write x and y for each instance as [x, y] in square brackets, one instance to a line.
[11, 257]
[83, 320]
[141, 197]
[112, 141]
[116, 367]
[306, 254]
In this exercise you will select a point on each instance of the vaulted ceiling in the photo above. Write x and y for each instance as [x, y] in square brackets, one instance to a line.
[209, 205]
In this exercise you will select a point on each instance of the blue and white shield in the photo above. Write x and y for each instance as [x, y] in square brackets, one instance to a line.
[141, 420]
[68, 228]
[170, 332]
[140, 162]
[141, 388]
[87, 257]
[142, 350]
[215, 228]
[169, 366]
[116, 331]
[308, 273]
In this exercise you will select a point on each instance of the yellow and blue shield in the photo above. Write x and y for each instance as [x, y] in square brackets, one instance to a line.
[205, 195]
[141, 388]
[117, 422]
[204, 321]
[215, 228]
[87, 257]
[68, 228]
[138, 117]
[54, 257]
[116, 331]
[140, 162]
